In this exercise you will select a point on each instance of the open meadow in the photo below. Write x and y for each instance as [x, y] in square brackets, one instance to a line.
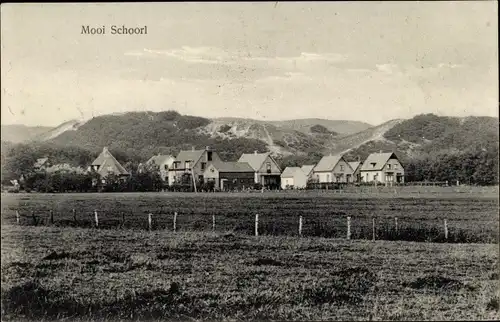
[88, 274]
[472, 216]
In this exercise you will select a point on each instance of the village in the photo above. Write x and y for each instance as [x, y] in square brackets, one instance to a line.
[198, 166]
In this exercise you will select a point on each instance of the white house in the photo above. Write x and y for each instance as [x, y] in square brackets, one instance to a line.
[382, 168]
[293, 178]
[333, 168]
[266, 170]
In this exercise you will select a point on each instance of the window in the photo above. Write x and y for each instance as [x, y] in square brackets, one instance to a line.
[395, 167]
[268, 165]
[209, 156]
[175, 165]
[389, 166]
[187, 165]
[328, 178]
[203, 165]
[165, 166]
[110, 169]
[341, 167]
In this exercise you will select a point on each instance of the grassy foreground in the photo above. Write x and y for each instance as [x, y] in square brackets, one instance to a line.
[86, 274]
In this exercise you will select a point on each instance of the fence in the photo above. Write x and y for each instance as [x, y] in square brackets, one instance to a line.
[349, 227]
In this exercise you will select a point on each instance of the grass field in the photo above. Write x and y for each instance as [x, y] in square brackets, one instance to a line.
[88, 274]
[472, 216]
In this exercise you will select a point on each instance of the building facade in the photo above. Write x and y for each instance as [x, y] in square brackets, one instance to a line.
[382, 168]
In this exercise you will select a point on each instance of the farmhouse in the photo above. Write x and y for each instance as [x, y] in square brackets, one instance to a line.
[191, 163]
[266, 171]
[230, 175]
[356, 168]
[382, 168]
[333, 168]
[293, 178]
[164, 162]
[106, 164]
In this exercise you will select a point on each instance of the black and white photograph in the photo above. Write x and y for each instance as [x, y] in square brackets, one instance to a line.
[250, 161]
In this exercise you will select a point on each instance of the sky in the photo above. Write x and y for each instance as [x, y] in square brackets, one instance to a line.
[362, 61]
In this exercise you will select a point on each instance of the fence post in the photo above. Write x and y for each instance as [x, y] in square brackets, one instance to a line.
[34, 218]
[96, 219]
[17, 217]
[123, 219]
[256, 224]
[74, 215]
[446, 229]
[348, 227]
[213, 222]
[149, 221]
[373, 229]
[396, 223]
[300, 226]
[175, 221]
[51, 217]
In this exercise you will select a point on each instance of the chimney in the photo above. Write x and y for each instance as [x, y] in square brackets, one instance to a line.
[255, 152]
[207, 148]
[105, 149]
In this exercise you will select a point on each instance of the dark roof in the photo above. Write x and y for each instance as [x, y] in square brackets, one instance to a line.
[233, 167]
[380, 159]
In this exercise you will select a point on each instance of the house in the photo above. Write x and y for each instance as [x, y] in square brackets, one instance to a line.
[382, 168]
[106, 164]
[294, 178]
[356, 167]
[193, 163]
[164, 162]
[333, 168]
[230, 175]
[266, 171]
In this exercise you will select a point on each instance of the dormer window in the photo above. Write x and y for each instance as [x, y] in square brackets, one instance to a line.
[373, 164]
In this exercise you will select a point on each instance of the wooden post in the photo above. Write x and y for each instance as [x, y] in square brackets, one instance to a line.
[300, 226]
[17, 217]
[74, 215]
[175, 221]
[34, 218]
[149, 221]
[446, 229]
[96, 219]
[213, 222]
[396, 223]
[348, 227]
[373, 228]
[257, 225]
[123, 219]
[51, 217]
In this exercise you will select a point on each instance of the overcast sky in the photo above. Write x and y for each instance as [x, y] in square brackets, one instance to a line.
[370, 61]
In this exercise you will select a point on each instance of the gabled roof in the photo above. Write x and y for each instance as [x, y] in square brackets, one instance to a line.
[193, 155]
[255, 160]
[354, 165]
[233, 167]
[105, 160]
[327, 163]
[291, 172]
[308, 169]
[380, 159]
[160, 159]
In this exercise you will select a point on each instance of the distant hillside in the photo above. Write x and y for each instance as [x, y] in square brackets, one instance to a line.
[338, 126]
[22, 133]
[431, 135]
